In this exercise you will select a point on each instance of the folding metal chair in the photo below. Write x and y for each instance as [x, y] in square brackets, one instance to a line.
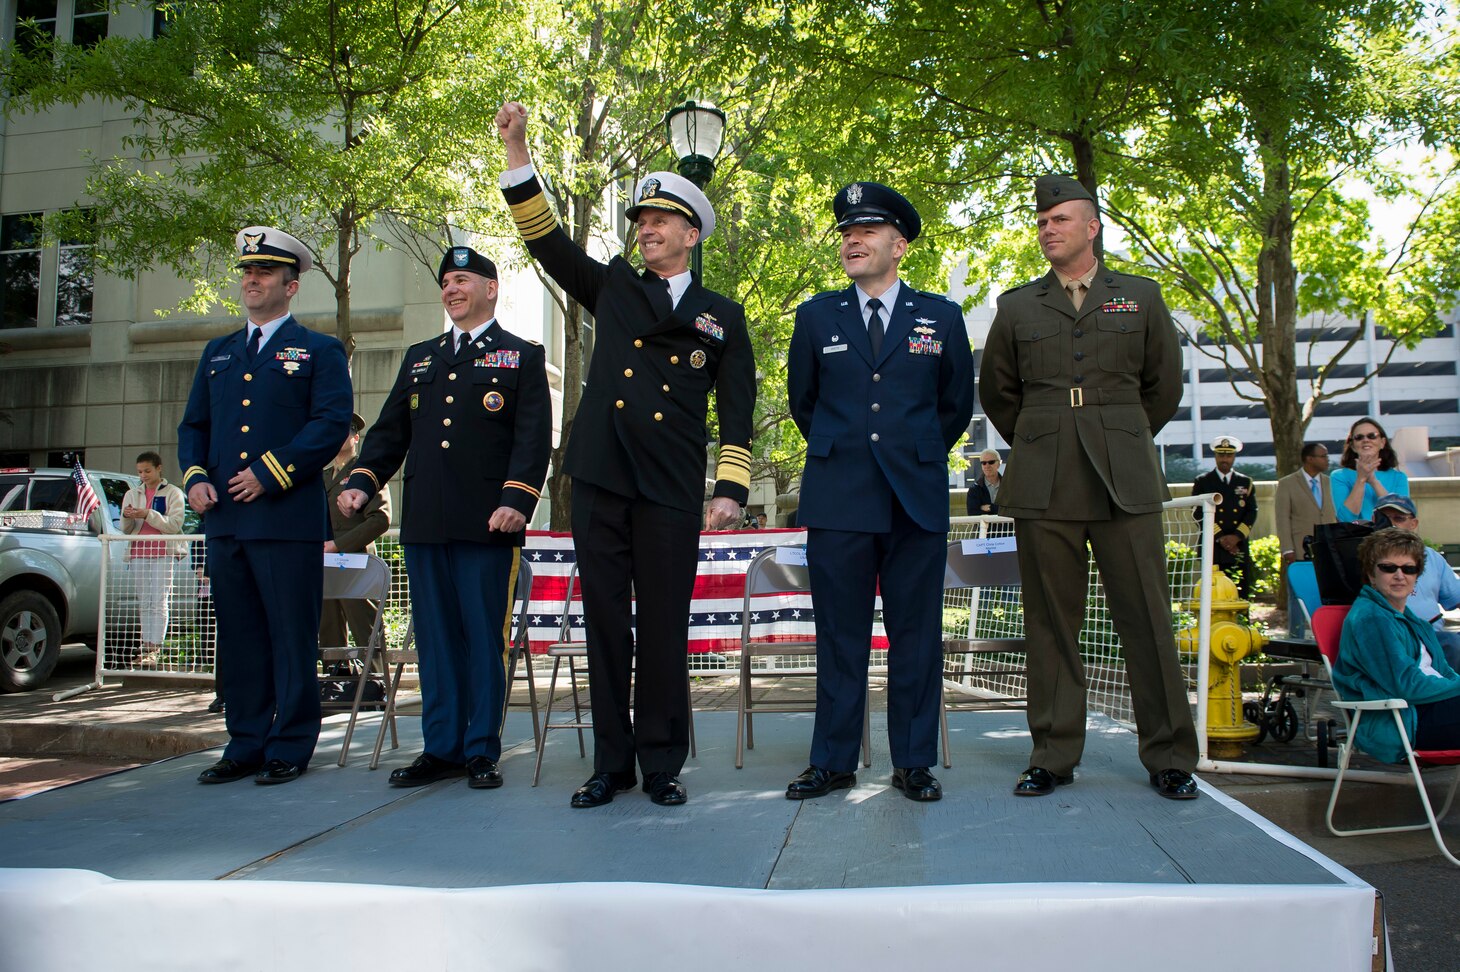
[370, 582]
[1327, 629]
[766, 576]
[976, 572]
[571, 651]
[407, 654]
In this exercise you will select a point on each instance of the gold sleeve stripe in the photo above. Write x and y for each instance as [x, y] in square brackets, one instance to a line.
[524, 487]
[373, 479]
[734, 465]
[534, 217]
[277, 470]
[195, 470]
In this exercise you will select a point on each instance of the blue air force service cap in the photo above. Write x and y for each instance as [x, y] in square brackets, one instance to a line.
[675, 194]
[1051, 190]
[264, 245]
[465, 258]
[863, 203]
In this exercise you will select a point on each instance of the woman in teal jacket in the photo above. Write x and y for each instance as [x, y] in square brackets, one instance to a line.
[1387, 652]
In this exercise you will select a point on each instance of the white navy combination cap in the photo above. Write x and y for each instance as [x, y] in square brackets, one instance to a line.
[264, 245]
[675, 194]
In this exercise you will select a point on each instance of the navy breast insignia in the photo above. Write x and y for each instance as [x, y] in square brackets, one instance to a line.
[706, 324]
[697, 359]
[922, 329]
[493, 401]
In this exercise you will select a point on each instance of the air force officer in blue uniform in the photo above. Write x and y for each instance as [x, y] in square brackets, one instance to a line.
[471, 419]
[269, 407]
[881, 386]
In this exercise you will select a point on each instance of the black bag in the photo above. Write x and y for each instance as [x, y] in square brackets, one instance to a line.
[1334, 550]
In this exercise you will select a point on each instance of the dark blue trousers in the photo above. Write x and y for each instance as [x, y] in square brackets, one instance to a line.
[267, 596]
[845, 568]
[460, 591]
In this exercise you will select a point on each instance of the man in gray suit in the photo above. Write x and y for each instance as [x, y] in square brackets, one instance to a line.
[1081, 369]
[1304, 500]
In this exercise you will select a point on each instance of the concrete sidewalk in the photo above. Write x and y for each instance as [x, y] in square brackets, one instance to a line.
[51, 743]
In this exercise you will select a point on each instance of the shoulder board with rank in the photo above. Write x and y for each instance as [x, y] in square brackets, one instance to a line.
[500, 359]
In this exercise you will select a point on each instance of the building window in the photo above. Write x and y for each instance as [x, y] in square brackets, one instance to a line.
[20, 269]
[75, 281]
[79, 22]
[43, 285]
[89, 22]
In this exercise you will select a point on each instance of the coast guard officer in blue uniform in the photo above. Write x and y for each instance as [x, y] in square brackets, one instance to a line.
[269, 407]
[881, 385]
[470, 417]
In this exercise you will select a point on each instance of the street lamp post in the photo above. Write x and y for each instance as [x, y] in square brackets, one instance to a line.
[696, 133]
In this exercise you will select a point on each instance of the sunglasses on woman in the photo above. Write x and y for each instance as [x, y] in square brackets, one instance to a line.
[1366, 436]
[1410, 570]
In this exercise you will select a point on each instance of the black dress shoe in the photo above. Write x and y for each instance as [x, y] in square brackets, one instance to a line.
[482, 773]
[664, 789]
[916, 783]
[600, 789]
[216, 706]
[226, 771]
[816, 782]
[1038, 781]
[278, 771]
[426, 769]
[1174, 784]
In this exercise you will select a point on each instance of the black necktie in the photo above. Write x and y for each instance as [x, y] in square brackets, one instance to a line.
[462, 341]
[659, 296]
[253, 343]
[874, 326]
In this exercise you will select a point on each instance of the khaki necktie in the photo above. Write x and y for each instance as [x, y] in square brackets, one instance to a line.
[1077, 292]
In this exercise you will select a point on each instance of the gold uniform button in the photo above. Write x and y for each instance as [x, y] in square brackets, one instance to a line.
[244, 429]
[628, 372]
[246, 403]
[666, 388]
[445, 444]
[674, 359]
[638, 343]
[243, 455]
[446, 421]
[451, 377]
[619, 403]
[658, 416]
[248, 377]
[449, 399]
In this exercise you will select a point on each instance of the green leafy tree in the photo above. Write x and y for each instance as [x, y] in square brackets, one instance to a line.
[345, 123]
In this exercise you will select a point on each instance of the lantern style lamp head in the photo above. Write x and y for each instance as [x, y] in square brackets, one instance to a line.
[696, 133]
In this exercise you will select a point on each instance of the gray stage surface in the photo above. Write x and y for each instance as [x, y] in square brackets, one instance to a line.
[738, 830]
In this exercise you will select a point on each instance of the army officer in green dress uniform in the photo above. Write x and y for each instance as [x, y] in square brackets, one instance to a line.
[1082, 368]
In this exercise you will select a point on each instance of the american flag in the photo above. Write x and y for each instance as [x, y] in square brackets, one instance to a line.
[716, 605]
[86, 501]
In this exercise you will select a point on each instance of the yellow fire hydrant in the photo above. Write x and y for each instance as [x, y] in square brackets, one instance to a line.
[1232, 640]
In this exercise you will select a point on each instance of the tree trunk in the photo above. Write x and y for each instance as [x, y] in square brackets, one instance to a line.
[1085, 174]
[343, 331]
[1278, 316]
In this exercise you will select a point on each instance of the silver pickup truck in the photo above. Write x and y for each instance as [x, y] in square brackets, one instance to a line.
[50, 569]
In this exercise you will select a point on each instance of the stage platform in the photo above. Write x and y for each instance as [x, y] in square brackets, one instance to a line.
[146, 869]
